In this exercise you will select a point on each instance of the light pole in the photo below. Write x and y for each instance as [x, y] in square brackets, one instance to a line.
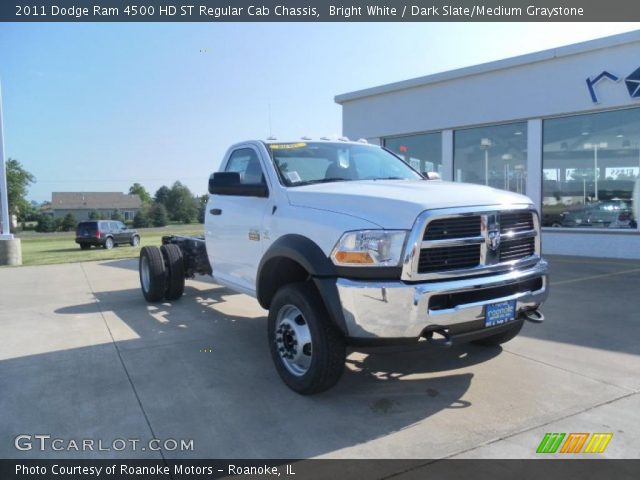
[486, 144]
[594, 147]
[10, 248]
[5, 233]
[507, 157]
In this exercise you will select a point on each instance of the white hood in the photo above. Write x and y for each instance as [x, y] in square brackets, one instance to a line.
[395, 204]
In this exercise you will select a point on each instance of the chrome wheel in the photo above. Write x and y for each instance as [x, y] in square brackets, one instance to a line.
[136, 241]
[293, 340]
[144, 273]
[108, 243]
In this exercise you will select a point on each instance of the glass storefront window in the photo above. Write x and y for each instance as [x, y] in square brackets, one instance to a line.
[590, 166]
[423, 151]
[494, 155]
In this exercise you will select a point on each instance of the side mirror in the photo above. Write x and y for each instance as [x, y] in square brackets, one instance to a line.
[431, 176]
[228, 183]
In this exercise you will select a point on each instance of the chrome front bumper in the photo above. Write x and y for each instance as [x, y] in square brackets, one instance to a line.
[395, 309]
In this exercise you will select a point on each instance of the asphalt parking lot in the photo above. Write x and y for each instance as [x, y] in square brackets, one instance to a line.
[84, 357]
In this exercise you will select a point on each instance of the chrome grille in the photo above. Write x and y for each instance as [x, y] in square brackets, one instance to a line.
[515, 221]
[456, 227]
[517, 249]
[459, 242]
[448, 258]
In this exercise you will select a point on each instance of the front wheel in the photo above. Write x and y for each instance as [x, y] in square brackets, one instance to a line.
[307, 349]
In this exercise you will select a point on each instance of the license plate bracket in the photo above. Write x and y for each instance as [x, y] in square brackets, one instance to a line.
[499, 313]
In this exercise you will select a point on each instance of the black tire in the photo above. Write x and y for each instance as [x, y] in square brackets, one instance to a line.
[502, 337]
[326, 351]
[135, 241]
[108, 243]
[85, 246]
[153, 278]
[175, 271]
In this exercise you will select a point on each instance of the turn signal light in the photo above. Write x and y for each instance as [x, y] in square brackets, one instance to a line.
[354, 257]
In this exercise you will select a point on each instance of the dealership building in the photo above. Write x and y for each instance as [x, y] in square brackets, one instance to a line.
[561, 126]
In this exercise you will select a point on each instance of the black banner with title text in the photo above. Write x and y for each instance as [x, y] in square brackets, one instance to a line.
[318, 11]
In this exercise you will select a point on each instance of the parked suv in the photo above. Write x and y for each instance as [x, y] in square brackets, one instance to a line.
[105, 233]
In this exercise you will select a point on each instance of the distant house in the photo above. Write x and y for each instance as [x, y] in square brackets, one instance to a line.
[81, 204]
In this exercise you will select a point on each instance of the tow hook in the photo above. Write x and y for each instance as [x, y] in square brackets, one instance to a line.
[534, 316]
[443, 340]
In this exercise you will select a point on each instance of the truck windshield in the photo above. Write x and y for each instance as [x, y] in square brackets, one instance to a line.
[318, 162]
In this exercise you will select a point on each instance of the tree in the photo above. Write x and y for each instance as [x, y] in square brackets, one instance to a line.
[45, 223]
[141, 218]
[115, 215]
[180, 204]
[137, 189]
[29, 213]
[158, 215]
[202, 207]
[94, 215]
[18, 181]
[162, 194]
[69, 223]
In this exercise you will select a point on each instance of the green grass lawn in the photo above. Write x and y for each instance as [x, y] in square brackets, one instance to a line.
[49, 248]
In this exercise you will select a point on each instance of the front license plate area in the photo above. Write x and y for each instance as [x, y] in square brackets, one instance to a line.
[499, 313]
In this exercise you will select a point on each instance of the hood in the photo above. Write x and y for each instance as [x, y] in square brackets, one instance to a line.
[395, 204]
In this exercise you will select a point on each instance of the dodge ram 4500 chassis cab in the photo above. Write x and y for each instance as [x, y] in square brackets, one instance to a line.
[346, 245]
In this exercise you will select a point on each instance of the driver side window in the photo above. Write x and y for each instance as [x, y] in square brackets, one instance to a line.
[245, 161]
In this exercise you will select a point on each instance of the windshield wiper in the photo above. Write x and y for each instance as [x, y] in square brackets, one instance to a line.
[321, 180]
[389, 178]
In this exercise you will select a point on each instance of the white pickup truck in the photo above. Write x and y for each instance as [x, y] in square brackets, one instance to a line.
[346, 245]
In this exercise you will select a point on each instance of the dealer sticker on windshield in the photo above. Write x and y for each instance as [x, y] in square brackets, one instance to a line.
[499, 313]
[283, 146]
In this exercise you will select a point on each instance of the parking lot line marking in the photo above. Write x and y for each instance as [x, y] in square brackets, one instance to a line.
[122, 362]
[593, 277]
[572, 372]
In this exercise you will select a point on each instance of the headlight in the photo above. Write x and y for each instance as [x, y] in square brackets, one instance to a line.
[369, 248]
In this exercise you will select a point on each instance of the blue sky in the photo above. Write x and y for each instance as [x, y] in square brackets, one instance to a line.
[97, 107]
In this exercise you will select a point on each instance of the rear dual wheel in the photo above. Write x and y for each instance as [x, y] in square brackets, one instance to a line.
[161, 273]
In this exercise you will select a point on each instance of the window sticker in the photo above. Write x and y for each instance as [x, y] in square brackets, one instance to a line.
[283, 146]
[293, 177]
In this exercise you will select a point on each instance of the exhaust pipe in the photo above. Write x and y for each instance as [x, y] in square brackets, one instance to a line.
[534, 316]
[443, 340]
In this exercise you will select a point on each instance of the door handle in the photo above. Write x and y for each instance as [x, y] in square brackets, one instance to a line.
[215, 211]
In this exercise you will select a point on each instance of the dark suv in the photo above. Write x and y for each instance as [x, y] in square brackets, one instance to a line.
[105, 233]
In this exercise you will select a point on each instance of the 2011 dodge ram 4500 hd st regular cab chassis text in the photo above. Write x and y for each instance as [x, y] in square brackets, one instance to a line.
[346, 245]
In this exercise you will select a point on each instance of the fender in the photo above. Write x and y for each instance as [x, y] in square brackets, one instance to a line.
[310, 257]
[301, 250]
